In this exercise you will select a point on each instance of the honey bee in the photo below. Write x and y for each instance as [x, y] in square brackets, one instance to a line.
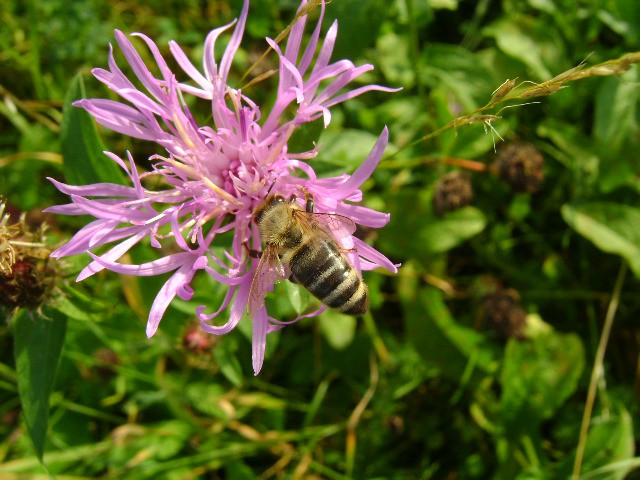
[300, 245]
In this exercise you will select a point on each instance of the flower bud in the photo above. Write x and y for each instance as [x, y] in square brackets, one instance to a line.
[520, 164]
[453, 192]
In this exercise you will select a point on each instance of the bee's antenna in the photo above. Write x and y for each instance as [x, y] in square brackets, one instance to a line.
[271, 187]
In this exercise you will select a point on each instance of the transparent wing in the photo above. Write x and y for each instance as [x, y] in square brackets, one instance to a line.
[337, 226]
[270, 270]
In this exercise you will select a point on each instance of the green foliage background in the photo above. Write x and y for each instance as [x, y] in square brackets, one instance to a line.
[422, 386]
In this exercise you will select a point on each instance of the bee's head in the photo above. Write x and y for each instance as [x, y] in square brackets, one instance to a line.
[267, 205]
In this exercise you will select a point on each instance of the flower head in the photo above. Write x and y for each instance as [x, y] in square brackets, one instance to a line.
[215, 175]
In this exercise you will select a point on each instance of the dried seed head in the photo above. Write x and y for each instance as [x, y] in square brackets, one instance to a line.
[26, 276]
[520, 164]
[453, 192]
[25, 286]
[501, 311]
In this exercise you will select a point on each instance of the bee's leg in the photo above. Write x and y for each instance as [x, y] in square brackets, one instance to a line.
[310, 203]
[253, 253]
[293, 279]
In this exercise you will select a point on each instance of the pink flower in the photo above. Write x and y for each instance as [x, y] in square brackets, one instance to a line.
[216, 172]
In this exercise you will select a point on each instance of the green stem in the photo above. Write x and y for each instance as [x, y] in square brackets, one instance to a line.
[597, 371]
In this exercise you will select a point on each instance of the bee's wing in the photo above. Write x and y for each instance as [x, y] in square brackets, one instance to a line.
[338, 226]
[270, 270]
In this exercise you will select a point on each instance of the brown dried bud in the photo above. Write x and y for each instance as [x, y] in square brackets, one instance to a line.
[26, 276]
[26, 285]
[453, 192]
[501, 312]
[520, 164]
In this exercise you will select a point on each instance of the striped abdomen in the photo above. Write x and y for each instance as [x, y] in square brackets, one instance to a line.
[319, 266]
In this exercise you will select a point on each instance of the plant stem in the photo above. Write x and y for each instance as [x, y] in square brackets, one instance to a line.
[597, 369]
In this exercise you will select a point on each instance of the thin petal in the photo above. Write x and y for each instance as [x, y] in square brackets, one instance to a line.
[367, 251]
[369, 165]
[234, 43]
[167, 293]
[259, 326]
[156, 267]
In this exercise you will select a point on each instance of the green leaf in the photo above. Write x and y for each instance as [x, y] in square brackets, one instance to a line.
[608, 453]
[538, 376]
[206, 397]
[306, 136]
[615, 114]
[458, 71]
[528, 41]
[609, 441]
[238, 470]
[225, 354]
[421, 233]
[455, 349]
[452, 229]
[82, 148]
[359, 25]
[612, 227]
[394, 60]
[38, 345]
[343, 151]
[338, 329]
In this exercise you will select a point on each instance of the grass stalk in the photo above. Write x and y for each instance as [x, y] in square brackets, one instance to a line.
[597, 370]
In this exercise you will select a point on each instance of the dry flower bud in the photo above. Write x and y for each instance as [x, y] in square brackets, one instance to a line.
[453, 192]
[501, 311]
[520, 164]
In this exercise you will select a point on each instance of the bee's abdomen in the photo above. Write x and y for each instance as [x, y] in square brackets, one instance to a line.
[324, 271]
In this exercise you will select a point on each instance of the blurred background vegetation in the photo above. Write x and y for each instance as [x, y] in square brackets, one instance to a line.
[476, 360]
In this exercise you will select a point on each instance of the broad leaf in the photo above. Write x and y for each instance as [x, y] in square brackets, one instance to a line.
[612, 227]
[454, 228]
[38, 344]
[440, 340]
[338, 329]
[608, 453]
[538, 376]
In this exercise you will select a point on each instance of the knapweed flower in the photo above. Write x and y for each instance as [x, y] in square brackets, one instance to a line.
[213, 176]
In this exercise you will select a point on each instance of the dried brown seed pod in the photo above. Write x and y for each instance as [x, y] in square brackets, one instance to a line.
[520, 164]
[453, 192]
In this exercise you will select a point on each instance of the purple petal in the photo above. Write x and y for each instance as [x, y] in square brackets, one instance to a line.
[209, 60]
[359, 91]
[365, 170]
[234, 43]
[156, 267]
[259, 325]
[327, 48]
[95, 189]
[167, 293]
[114, 254]
[205, 318]
[237, 310]
[190, 69]
[295, 37]
[310, 51]
[79, 243]
[137, 65]
[370, 253]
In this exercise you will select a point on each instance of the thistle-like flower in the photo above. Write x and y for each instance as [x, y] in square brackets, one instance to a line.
[215, 175]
